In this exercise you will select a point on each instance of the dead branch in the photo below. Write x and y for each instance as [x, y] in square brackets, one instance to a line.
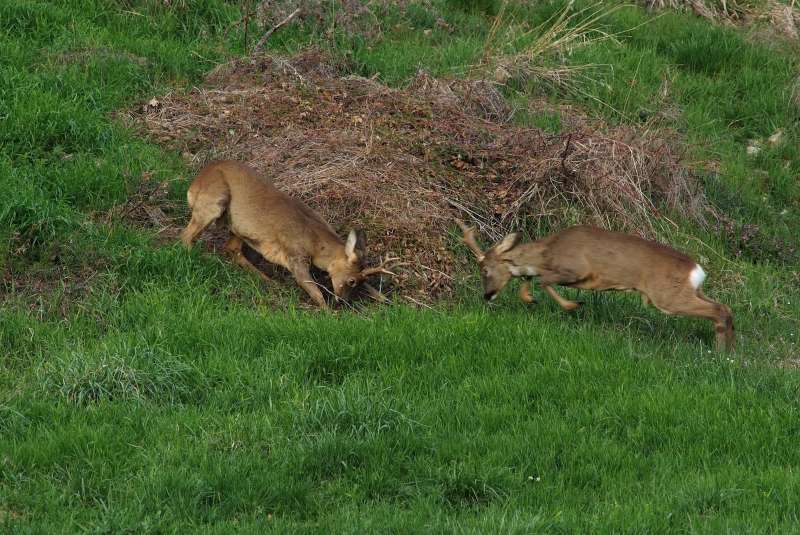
[261, 42]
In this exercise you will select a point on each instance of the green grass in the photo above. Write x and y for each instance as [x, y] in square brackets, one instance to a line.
[184, 410]
[168, 393]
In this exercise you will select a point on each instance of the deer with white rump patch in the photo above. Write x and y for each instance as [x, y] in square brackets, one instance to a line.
[595, 259]
[282, 229]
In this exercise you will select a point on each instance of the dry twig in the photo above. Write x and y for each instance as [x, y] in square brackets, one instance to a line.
[261, 42]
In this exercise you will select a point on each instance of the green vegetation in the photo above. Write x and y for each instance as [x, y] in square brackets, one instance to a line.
[147, 389]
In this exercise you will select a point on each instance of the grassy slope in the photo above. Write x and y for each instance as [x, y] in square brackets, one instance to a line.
[217, 410]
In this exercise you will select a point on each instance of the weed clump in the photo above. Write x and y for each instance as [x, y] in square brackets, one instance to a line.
[137, 375]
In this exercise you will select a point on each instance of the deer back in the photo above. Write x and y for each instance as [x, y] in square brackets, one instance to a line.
[593, 258]
[280, 226]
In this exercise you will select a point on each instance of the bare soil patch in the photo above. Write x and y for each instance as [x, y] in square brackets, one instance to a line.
[401, 162]
[53, 289]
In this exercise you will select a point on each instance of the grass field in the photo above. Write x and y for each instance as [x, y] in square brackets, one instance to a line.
[147, 389]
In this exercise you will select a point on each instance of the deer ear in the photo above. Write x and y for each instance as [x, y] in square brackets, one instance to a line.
[508, 243]
[361, 243]
[351, 247]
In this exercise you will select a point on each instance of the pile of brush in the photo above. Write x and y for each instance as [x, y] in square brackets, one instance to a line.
[400, 163]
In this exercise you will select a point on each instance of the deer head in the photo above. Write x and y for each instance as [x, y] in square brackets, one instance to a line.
[496, 270]
[348, 272]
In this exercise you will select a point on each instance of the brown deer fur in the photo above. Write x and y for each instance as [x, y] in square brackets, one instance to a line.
[595, 259]
[282, 229]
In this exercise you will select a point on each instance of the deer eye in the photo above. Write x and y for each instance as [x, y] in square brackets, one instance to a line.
[351, 281]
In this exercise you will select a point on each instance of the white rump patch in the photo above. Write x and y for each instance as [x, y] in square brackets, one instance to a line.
[696, 277]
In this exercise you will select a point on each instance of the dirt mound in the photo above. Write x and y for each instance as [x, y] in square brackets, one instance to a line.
[397, 161]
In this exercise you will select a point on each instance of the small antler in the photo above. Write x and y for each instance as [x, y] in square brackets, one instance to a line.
[382, 268]
[470, 240]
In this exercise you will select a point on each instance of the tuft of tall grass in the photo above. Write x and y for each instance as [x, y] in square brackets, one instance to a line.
[127, 373]
[541, 54]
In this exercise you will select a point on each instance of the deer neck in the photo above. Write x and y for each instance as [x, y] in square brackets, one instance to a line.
[524, 260]
[329, 250]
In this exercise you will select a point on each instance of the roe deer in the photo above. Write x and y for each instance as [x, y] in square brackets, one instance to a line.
[282, 229]
[595, 259]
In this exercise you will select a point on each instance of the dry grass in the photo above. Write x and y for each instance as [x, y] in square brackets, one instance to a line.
[785, 19]
[795, 97]
[781, 19]
[512, 51]
[720, 11]
[395, 162]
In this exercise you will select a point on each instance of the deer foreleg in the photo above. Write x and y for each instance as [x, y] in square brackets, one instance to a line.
[375, 293]
[566, 304]
[234, 247]
[525, 291]
[303, 277]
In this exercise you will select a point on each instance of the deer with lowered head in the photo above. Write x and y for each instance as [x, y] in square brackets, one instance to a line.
[595, 259]
[279, 227]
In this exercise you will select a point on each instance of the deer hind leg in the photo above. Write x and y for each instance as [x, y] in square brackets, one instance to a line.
[303, 277]
[702, 307]
[234, 248]
[723, 325]
[205, 210]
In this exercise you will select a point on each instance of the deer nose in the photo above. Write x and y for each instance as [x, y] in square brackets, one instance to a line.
[489, 295]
